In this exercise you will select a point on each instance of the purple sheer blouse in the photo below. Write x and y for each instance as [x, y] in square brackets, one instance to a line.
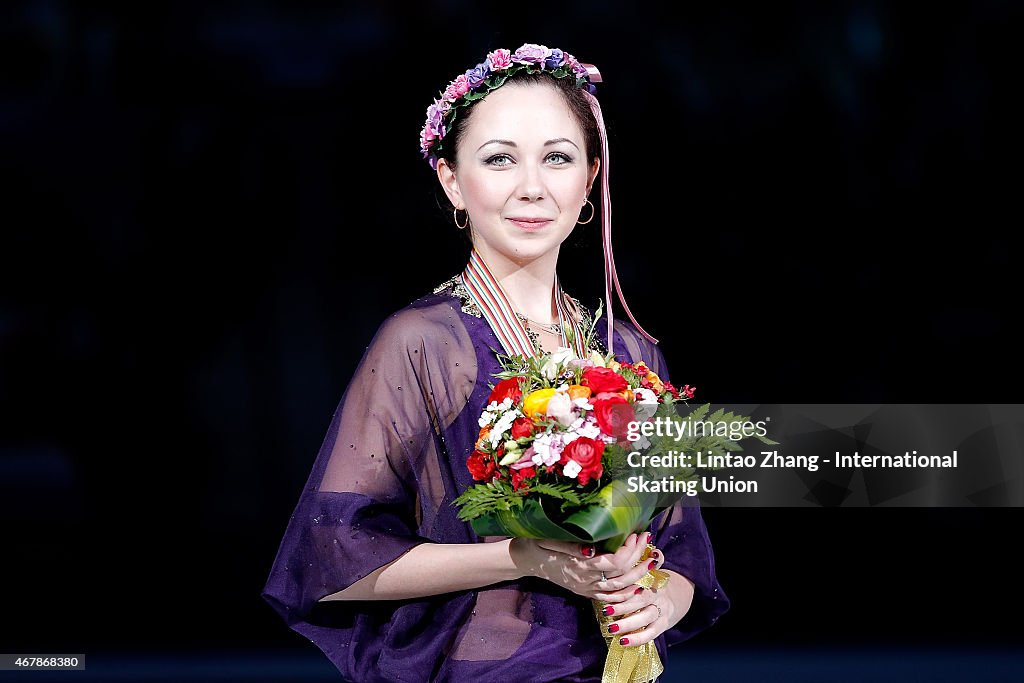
[393, 460]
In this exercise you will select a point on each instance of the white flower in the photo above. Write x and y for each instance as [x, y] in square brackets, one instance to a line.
[560, 408]
[497, 434]
[552, 366]
[597, 359]
[583, 403]
[563, 353]
[591, 430]
[571, 469]
[495, 407]
[486, 418]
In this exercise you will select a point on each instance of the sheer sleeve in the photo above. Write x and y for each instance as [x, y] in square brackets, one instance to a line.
[679, 531]
[376, 488]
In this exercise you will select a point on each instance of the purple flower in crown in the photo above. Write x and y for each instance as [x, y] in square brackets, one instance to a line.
[457, 88]
[531, 53]
[499, 60]
[555, 59]
[477, 75]
[435, 120]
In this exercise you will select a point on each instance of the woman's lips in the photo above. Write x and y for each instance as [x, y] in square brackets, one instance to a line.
[529, 226]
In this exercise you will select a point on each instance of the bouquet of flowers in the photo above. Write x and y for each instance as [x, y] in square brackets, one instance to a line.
[552, 455]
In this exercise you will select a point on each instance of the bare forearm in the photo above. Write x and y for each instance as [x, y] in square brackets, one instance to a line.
[435, 568]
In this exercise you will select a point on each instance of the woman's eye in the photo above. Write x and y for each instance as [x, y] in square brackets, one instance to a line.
[496, 157]
[565, 157]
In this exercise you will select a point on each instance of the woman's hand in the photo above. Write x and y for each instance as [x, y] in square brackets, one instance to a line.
[640, 614]
[577, 568]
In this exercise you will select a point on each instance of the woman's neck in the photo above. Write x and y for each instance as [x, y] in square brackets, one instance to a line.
[529, 285]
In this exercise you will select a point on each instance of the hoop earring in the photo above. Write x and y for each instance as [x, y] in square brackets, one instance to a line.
[455, 213]
[592, 212]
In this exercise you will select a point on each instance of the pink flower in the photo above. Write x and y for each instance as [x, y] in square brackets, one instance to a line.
[531, 53]
[578, 69]
[457, 88]
[427, 139]
[499, 59]
[525, 461]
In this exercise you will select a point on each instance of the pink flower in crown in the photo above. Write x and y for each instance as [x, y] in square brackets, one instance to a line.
[457, 88]
[499, 60]
[578, 69]
[531, 53]
[427, 138]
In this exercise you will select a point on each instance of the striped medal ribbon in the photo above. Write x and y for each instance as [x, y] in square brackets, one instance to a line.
[489, 297]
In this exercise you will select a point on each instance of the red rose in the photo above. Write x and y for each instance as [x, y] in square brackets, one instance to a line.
[507, 388]
[481, 466]
[519, 477]
[523, 426]
[587, 452]
[603, 379]
[613, 414]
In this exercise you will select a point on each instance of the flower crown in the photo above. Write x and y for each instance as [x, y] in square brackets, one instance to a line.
[485, 77]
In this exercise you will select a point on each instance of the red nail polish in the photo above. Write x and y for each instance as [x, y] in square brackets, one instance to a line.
[624, 641]
[653, 564]
[609, 610]
[613, 628]
[638, 591]
[648, 539]
[588, 551]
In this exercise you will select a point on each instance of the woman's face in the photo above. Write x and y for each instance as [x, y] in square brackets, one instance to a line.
[523, 158]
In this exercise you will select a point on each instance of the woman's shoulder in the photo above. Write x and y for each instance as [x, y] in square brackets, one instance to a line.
[429, 319]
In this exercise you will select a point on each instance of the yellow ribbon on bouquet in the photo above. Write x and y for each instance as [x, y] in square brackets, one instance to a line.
[637, 664]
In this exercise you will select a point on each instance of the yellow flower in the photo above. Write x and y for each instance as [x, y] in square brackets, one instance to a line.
[536, 402]
[614, 365]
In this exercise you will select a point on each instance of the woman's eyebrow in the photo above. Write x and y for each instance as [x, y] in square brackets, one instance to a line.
[512, 144]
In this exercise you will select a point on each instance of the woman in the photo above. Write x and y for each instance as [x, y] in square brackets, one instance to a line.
[375, 567]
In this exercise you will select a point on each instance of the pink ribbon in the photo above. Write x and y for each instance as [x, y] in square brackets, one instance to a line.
[610, 275]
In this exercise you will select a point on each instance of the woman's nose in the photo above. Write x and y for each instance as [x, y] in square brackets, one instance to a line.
[531, 182]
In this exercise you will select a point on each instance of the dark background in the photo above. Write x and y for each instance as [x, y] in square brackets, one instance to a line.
[210, 207]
